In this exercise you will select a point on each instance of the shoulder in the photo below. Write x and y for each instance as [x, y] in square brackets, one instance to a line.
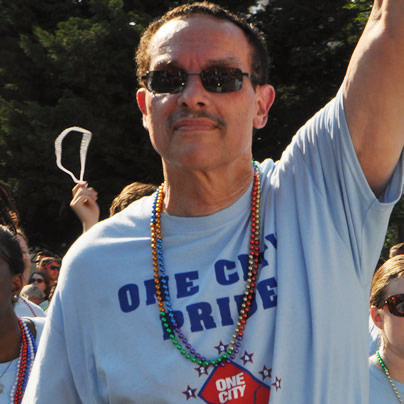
[105, 244]
[24, 307]
[35, 324]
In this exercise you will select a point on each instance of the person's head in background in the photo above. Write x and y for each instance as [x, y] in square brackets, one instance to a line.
[51, 267]
[396, 250]
[129, 194]
[38, 257]
[32, 293]
[11, 271]
[41, 279]
[9, 215]
[387, 307]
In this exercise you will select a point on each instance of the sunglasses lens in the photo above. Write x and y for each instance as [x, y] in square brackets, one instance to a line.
[165, 81]
[222, 79]
[37, 280]
[214, 80]
[396, 305]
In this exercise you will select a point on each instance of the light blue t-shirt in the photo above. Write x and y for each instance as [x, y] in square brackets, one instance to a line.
[305, 342]
[381, 391]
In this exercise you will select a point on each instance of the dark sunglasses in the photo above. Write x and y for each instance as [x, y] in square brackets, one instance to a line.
[54, 267]
[37, 280]
[395, 304]
[214, 80]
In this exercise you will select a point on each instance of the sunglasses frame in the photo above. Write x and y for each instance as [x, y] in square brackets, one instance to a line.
[37, 280]
[231, 72]
[389, 304]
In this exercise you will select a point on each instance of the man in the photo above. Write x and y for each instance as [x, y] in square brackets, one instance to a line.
[256, 284]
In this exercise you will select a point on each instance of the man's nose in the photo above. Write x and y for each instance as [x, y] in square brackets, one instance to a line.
[194, 93]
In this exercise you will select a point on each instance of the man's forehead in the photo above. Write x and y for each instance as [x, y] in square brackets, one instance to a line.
[182, 34]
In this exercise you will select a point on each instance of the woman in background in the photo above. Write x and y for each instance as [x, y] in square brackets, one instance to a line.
[41, 279]
[387, 311]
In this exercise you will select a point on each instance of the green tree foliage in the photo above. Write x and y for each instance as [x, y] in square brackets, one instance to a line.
[75, 70]
[310, 43]
[70, 63]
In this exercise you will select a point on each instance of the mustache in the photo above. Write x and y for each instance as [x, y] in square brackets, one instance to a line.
[172, 119]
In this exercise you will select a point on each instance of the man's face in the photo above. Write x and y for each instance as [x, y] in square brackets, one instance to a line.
[195, 128]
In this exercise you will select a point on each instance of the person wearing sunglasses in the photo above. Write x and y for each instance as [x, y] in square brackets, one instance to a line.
[51, 268]
[387, 311]
[229, 281]
[374, 336]
[41, 279]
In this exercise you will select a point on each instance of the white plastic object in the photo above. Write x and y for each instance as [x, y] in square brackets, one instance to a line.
[85, 141]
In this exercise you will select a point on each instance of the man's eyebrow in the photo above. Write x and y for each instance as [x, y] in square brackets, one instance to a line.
[165, 64]
[229, 61]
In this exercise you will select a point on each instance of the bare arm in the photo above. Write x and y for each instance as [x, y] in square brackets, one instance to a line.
[84, 204]
[374, 93]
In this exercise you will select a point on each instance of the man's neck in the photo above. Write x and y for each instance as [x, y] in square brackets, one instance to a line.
[203, 192]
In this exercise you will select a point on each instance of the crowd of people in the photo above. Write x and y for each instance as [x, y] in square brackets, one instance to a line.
[234, 280]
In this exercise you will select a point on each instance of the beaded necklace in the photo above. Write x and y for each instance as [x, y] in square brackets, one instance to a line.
[161, 285]
[25, 361]
[386, 371]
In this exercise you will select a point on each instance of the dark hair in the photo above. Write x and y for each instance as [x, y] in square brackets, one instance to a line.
[391, 269]
[10, 251]
[259, 55]
[45, 277]
[52, 291]
[129, 194]
[9, 215]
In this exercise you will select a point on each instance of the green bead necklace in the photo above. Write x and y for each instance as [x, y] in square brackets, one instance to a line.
[164, 301]
[386, 371]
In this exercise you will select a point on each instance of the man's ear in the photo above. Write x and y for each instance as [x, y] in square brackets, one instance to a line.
[17, 283]
[141, 102]
[377, 317]
[265, 98]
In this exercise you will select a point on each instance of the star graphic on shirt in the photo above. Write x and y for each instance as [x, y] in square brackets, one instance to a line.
[247, 357]
[221, 348]
[189, 393]
[277, 383]
[265, 372]
[202, 370]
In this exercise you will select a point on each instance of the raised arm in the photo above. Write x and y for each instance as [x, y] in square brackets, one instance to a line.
[84, 204]
[374, 93]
